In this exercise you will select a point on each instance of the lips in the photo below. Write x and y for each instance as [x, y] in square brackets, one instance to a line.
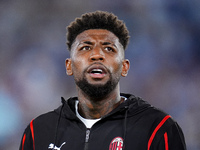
[97, 71]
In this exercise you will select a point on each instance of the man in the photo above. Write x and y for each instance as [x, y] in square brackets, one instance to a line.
[101, 118]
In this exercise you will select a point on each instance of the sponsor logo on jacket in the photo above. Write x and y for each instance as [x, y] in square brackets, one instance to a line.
[51, 146]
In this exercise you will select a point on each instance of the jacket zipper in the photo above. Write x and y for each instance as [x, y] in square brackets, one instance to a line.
[87, 139]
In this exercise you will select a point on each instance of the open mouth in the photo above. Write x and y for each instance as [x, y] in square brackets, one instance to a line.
[97, 71]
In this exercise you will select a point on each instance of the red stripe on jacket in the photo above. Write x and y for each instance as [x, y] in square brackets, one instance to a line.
[156, 130]
[32, 133]
[166, 141]
[23, 141]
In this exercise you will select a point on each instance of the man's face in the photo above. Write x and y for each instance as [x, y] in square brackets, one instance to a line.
[97, 61]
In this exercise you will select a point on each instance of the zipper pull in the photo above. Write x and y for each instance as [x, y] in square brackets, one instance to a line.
[87, 135]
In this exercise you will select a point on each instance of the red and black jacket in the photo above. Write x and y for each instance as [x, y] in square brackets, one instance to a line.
[134, 125]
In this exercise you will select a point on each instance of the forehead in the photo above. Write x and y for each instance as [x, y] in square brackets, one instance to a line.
[97, 34]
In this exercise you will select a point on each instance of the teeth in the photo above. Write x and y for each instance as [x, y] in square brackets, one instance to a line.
[98, 71]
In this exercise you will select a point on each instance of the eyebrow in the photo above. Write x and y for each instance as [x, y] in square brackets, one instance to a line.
[87, 42]
[108, 43]
[104, 43]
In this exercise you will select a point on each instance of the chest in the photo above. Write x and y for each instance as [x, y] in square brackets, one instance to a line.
[104, 135]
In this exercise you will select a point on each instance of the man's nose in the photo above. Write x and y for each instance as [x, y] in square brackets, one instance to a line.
[97, 54]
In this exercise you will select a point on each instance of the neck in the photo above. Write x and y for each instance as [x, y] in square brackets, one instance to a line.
[93, 108]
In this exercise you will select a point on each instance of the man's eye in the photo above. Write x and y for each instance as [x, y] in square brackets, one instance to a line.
[109, 49]
[85, 48]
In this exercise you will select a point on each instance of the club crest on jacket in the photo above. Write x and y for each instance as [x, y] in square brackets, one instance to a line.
[116, 144]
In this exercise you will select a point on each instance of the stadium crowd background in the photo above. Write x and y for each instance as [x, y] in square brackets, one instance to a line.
[164, 51]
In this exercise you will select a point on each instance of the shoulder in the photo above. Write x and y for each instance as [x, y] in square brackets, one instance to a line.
[147, 113]
[45, 120]
[47, 116]
[158, 118]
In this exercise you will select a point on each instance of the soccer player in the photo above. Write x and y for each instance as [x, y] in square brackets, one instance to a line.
[100, 117]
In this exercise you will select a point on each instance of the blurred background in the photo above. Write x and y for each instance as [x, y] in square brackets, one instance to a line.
[164, 51]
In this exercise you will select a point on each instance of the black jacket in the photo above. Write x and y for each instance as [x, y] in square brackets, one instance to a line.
[134, 125]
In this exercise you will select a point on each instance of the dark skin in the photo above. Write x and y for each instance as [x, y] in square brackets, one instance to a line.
[97, 50]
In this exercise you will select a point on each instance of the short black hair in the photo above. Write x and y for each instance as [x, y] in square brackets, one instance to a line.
[98, 20]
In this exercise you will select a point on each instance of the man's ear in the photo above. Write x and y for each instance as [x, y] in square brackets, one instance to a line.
[68, 65]
[125, 67]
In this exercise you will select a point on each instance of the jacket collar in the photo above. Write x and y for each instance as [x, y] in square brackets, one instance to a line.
[134, 105]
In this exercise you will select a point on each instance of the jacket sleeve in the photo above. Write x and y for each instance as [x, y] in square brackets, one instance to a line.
[27, 141]
[173, 139]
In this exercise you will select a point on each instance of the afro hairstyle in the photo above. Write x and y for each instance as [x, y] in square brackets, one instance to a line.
[98, 20]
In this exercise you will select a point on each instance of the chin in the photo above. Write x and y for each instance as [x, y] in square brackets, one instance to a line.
[96, 89]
